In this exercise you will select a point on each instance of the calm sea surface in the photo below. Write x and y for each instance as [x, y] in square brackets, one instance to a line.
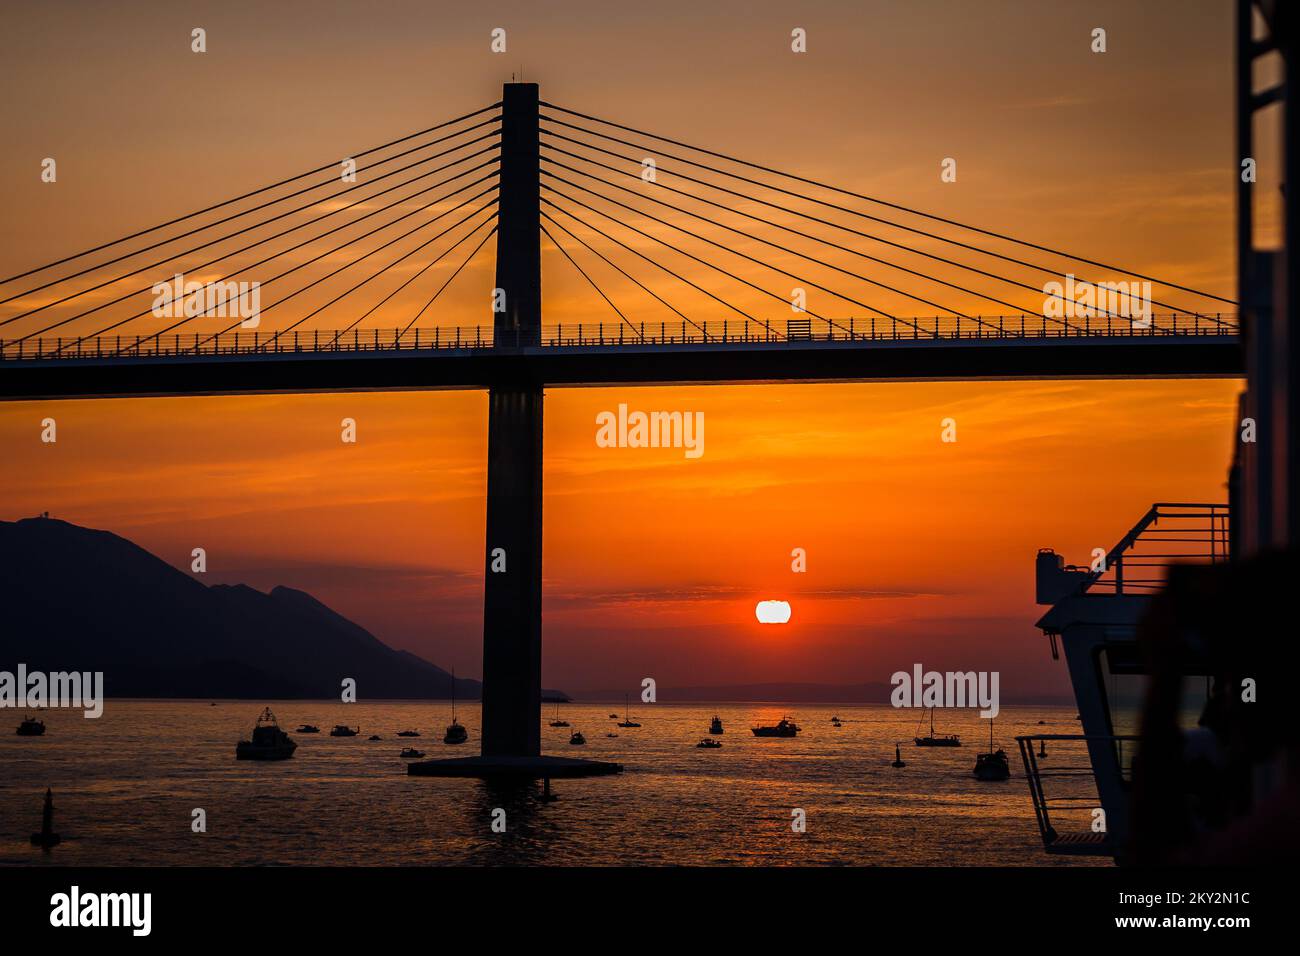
[125, 785]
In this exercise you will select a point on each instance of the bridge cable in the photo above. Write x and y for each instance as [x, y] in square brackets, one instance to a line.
[467, 260]
[348, 265]
[854, 212]
[774, 245]
[776, 225]
[283, 252]
[428, 242]
[871, 199]
[705, 262]
[249, 195]
[615, 265]
[248, 212]
[591, 281]
[906, 248]
[257, 225]
[302, 265]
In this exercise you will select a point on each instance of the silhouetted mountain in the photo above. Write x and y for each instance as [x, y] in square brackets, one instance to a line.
[78, 599]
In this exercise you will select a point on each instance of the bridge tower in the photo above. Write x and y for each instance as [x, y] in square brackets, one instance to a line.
[512, 598]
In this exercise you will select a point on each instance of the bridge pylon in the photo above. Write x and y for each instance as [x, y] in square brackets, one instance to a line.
[512, 593]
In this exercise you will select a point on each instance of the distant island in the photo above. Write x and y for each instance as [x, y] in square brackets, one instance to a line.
[74, 598]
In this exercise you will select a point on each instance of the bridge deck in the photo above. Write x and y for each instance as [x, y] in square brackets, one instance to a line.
[324, 361]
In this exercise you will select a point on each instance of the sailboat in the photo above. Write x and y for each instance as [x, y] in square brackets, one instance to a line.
[557, 722]
[456, 734]
[933, 740]
[994, 764]
[627, 720]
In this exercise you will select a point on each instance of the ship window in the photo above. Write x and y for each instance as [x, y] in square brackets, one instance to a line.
[1124, 691]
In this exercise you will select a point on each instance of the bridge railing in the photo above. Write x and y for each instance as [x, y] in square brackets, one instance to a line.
[588, 334]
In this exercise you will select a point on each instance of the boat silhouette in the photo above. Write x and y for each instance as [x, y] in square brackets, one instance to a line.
[341, 730]
[785, 727]
[936, 740]
[992, 766]
[715, 725]
[31, 727]
[269, 741]
[456, 734]
[557, 722]
[627, 720]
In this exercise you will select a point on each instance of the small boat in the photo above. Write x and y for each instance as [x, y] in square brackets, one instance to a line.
[31, 727]
[936, 740]
[627, 720]
[343, 731]
[47, 837]
[576, 738]
[708, 743]
[835, 722]
[613, 716]
[611, 735]
[269, 741]
[307, 729]
[557, 722]
[784, 728]
[835, 719]
[408, 733]
[456, 734]
[374, 737]
[410, 753]
[715, 725]
[898, 758]
[993, 765]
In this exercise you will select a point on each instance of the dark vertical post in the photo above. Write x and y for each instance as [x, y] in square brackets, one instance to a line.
[519, 243]
[512, 604]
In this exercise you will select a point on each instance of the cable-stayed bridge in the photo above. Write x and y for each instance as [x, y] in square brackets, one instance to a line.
[699, 267]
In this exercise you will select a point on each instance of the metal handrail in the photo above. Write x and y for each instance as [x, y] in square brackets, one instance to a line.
[1034, 774]
[615, 334]
[1188, 526]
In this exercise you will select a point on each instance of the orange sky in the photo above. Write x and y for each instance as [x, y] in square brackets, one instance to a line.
[918, 550]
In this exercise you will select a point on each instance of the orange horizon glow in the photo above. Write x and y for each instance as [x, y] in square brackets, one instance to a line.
[917, 550]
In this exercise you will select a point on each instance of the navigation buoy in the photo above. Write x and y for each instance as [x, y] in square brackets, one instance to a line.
[898, 758]
[47, 837]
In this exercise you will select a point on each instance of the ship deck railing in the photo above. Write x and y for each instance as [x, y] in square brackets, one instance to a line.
[1063, 786]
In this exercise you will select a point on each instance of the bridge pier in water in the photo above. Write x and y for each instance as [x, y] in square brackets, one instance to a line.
[512, 593]
[512, 598]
